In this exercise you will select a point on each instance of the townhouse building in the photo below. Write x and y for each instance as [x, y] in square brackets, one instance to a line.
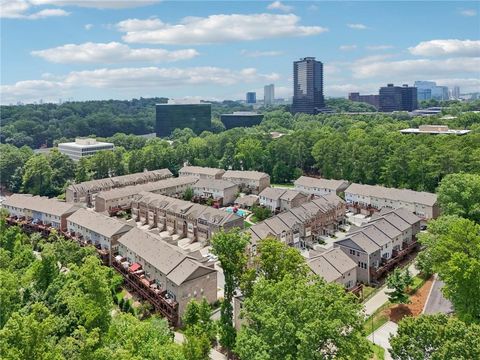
[249, 181]
[175, 276]
[277, 199]
[370, 198]
[85, 192]
[302, 226]
[320, 186]
[121, 198]
[221, 191]
[334, 265]
[380, 244]
[39, 210]
[188, 220]
[97, 229]
[201, 172]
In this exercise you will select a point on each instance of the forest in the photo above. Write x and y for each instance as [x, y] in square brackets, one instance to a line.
[368, 149]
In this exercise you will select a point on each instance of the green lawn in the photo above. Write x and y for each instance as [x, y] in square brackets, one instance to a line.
[417, 284]
[246, 225]
[290, 185]
[378, 352]
[377, 319]
[367, 292]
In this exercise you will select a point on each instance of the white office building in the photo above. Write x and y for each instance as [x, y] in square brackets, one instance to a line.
[83, 147]
[268, 94]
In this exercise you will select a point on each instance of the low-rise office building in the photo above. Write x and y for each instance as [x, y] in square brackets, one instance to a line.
[302, 226]
[100, 230]
[334, 265]
[86, 191]
[318, 186]
[277, 199]
[201, 172]
[241, 119]
[118, 199]
[221, 191]
[83, 147]
[178, 276]
[40, 209]
[249, 181]
[379, 245]
[188, 220]
[370, 198]
[434, 130]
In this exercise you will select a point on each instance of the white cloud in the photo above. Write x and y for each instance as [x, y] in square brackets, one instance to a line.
[110, 53]
[313, 7]
[468, 12]
[379, 47]
[277, 5]
[88, 26]
[449, 47]
[216, 29]
[414, 68]
[17, 9]
[347, 47]
[140, 80]
[102, 4]
[357, 26]
[259, 53]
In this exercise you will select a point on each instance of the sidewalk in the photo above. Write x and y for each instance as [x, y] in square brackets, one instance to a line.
[214, 354]
[381, 297]
[382, 335]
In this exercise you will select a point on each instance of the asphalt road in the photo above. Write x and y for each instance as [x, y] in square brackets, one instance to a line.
[436, 303]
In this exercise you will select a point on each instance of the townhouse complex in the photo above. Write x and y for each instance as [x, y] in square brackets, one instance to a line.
[183, 218]
[121, 198]
[370, 198]
[40, 209]
[249, 181]
[201, 172]
[85, 192]
[301, 226]
[222, 192]
[380, 244]
[277, 199]
[318, 187]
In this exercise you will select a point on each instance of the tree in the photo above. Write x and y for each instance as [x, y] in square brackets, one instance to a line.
[230, 248]
[459, 194]
[301, 318]
[63, 169]
[399, 281]
[188, 194]
[37, 177]
[435, 337]
[82, 171]
[261, 213]
[452, 249]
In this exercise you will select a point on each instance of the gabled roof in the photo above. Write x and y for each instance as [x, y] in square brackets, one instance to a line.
[272, 193]
[331, 264]
[407, 216]
[405, 195]
[247, 200]
[201, 170]
[216, 184]
[331, 184]
[40, 204]
[168, 259]
[360, 242]
[249, 175]
[99, 223]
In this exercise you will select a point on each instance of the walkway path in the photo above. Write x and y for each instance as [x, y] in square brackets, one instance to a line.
[436, 302]
[381, 336]
[381, 297]
[214, 354]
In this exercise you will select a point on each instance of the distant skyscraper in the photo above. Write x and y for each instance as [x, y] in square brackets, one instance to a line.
[268, 94]
[251, 97]
[398, 98]
[456, 92]
[307, 86]
[427, 90]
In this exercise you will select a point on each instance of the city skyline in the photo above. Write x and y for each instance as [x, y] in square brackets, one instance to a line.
[88, 50]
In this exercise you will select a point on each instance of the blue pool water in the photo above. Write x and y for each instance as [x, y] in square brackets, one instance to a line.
[239, 212]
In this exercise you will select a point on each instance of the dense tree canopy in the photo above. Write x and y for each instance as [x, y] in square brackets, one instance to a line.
[435, 337]
[453, 251]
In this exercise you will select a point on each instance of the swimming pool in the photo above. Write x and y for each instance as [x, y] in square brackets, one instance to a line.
[240, 212]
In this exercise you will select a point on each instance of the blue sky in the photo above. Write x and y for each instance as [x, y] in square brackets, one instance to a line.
[110, 49]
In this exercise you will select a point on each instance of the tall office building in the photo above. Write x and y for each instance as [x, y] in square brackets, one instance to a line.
[268, 94]
[427, 90]
[251, 97]
[171, 116]
[398, 98]
[307, 86]
[368, 99]
[456, 92]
